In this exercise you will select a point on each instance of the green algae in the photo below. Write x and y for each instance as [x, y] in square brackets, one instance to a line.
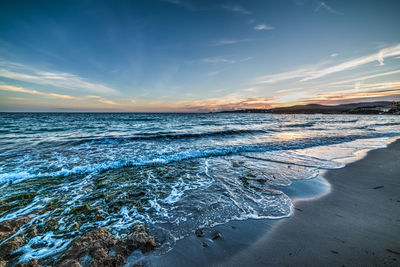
[15, 201]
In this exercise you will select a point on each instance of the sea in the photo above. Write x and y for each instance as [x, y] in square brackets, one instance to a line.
[172, 173]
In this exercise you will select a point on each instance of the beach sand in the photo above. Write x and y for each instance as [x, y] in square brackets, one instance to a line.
[356, 224]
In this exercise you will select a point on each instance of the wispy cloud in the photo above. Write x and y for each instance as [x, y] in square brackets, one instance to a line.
[236, 8]
[334, 55]
[20, 72]
[223, 60]
[229, 42]
[108, 102]
[320, 70]
[228, 102]
[34, 92]
[328, 8]
[328, 97]
[362, 78]
[218, 60]
[263, 27]
[16, 98]
[288, 75]
[11, 88]
[351, 64]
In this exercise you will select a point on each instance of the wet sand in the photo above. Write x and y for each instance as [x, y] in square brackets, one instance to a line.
[356, 224]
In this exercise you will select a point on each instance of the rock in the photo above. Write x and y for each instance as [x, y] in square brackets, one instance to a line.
[98, 243]
[10, 227]
[3, 263]
[199, 232]
[69, 263]
[393, 251]
[10, 246]
[109, 261]
[31, 263]
[140, 240]
[378, 187]
[99, 238]
[205, 244]
[216, 236]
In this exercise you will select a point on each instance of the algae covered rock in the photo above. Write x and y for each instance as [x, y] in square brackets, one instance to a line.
[97, 245]
[10, 227]
[31, 263]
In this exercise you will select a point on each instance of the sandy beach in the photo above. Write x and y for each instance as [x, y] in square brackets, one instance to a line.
[356, 224]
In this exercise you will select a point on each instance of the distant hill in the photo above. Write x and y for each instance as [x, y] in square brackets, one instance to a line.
[378, 107]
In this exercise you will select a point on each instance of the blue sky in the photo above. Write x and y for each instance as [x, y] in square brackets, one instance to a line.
[186, 55]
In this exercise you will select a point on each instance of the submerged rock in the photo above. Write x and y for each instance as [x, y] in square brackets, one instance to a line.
[31, 263]
[10, 227]
[10, 246]
[7, 229]
[216, 236]
[97, 245]
[199, 232]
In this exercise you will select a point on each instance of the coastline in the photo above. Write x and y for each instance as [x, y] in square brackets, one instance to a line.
[356, 224]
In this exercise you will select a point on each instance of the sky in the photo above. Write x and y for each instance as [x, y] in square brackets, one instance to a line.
[196, 56]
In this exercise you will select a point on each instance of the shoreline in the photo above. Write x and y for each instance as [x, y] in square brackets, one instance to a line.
[356, 224]
[241, 238]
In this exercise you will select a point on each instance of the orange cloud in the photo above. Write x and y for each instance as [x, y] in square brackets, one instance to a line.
[109, 102]
[34, 92]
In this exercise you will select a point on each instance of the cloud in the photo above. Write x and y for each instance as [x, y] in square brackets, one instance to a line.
[215, 73]
[218, 60]
[375, 86]
[20, 72]
[229, 42]
[237, 9]
[133, 101]
[251, 89]
[368, 77]
[283, 76]
[263, 27]
[351, 64]
[16, 98]
[109, 102]
[328, 8]
[334, 55]
[326, 97]
[320, 70]
[51, 95]
[34, 92]
[228, 102]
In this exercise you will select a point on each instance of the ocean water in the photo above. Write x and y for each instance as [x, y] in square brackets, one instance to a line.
[174, 173]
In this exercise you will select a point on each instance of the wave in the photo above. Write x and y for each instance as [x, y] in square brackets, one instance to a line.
[386, 124]
[140, 119]
[190, 154]
[344, 121]
[306, 124]
[159, 136]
